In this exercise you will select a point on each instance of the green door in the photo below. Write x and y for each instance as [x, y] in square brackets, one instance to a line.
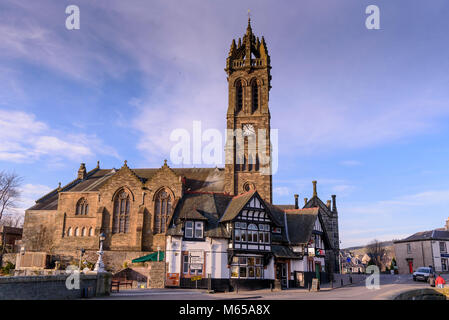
[317, 270]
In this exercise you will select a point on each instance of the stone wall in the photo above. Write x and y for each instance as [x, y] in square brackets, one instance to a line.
[156, 274]
[53, 287]
[11, 257]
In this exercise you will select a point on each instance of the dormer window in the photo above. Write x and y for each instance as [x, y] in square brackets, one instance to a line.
[194, 230]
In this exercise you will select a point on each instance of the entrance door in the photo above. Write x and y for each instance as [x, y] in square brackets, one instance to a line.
[281, 274]
[317, 270]
[410, 266]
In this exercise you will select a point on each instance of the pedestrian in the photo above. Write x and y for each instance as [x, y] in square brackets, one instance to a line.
[439, 281]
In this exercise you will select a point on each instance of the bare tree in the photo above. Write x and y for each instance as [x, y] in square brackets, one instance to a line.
[12, 220]
[9, 191]
[377, 252]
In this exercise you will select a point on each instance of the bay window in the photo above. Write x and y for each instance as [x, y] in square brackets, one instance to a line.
[247, 267]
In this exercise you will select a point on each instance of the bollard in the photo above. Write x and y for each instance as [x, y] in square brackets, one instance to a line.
[341, 282]
[350, 280]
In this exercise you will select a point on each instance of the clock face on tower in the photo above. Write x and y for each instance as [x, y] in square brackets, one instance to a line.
[248, 130]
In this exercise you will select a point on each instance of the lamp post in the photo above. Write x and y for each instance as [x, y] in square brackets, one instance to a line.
[99, 266]
[82, 251]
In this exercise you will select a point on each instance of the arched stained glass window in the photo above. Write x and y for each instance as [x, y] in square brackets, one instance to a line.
[82, 207]
[120, 222]
[162, 210]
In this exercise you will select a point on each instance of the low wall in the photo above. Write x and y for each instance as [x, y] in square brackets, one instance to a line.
[53, 287]
[347, 279]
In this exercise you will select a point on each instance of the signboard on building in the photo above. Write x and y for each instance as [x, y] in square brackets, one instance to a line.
[196, 260]
[311, 252]
[196, 278]
[315, 285]
[172, 279]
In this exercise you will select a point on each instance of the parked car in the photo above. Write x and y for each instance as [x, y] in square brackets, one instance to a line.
[423, 273]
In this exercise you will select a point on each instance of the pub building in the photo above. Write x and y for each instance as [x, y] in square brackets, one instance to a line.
[226, 243]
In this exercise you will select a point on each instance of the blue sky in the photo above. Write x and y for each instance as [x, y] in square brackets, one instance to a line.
[364, 112]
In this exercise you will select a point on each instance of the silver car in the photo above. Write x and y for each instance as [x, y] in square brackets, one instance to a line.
[423, 273]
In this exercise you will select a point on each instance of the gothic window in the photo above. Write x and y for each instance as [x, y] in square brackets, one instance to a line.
[239, 95]
[82, 207]
[162, 209]
[77, 233]
[83, 232]
[69, 232]
[91, 232]
[255, 96]
[120, 222]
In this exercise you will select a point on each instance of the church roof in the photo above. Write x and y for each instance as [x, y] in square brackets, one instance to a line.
[196, 179]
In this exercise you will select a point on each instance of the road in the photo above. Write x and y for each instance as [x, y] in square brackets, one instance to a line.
[390, 286]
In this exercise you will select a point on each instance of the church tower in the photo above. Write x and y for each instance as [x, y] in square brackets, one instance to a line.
[248, 147]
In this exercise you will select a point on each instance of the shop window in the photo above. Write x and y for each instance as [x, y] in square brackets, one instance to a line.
[247, 267]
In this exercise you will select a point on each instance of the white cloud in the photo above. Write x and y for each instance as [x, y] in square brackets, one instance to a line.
[25, 139]
[282, 191]
[350, 163]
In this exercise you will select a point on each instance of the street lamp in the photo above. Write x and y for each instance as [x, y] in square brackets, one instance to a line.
[99, 266]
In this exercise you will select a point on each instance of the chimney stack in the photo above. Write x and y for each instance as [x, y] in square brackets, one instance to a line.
[296, 201]
[305, 201]
[328, 204]
[334, 203]
[314, 188]
[82, 171]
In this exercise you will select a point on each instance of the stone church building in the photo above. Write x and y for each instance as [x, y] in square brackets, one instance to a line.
[134, 207]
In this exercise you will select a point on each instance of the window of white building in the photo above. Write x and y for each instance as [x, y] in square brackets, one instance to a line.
[247, 267]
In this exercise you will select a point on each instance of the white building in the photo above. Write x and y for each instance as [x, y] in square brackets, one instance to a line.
[240, 242]
[423, 249]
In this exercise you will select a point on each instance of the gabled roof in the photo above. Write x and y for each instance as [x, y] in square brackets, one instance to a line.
[315, 201]
[236, 205]
[300, 224]
[436, 234]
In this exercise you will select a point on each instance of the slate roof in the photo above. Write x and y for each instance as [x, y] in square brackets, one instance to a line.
[437, 234]
[280, 251]
[196, 179]
[300, 224]
[201, 206]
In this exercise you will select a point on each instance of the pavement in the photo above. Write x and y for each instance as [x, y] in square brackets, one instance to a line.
[390, 286]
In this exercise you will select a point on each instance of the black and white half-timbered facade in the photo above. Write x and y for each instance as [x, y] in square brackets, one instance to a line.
[227, 242]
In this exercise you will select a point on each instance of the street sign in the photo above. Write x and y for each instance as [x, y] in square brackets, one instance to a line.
[196, 278]
[196, 266]
[196, 260]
